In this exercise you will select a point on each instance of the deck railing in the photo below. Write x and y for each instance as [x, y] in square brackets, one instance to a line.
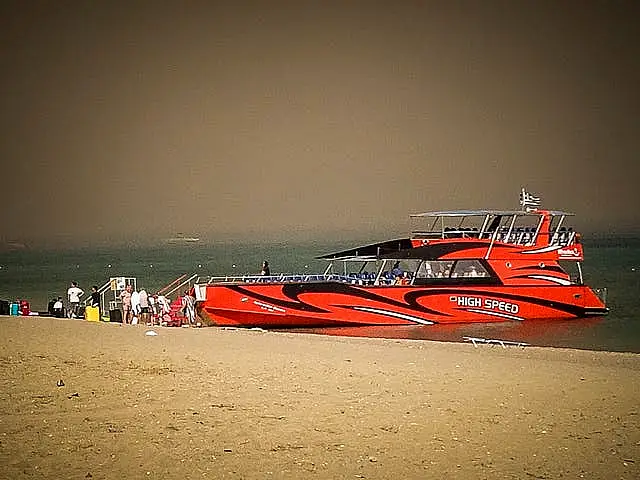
[279, 278]
[515, 236]
[354, 279]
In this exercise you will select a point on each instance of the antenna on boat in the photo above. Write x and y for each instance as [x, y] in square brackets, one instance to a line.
[528, 201]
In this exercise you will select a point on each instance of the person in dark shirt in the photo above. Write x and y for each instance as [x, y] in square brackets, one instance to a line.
[50, 309]
[95, 297]
[265, 269]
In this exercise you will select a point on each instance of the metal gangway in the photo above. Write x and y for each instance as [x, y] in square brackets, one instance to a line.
[110, 293]
[178, 284]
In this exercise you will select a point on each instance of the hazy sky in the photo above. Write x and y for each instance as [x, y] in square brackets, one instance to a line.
[124, 120]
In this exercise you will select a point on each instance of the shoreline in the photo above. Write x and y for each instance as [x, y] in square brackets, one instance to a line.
[223, 403]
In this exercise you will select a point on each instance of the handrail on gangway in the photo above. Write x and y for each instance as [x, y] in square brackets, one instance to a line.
[166, 288]
[174, 286]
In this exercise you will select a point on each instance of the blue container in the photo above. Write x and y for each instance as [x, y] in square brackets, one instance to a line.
[14, 308]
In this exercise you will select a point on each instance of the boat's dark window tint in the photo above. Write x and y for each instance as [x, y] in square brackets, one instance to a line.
[469, 268]
[572, 269]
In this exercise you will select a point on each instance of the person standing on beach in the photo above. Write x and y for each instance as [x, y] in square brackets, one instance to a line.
[188, 307]
[74, 293]
[153, 308]
[164, 307]
[135, 307]
[95, 297]
[125, 297]
[144, 306]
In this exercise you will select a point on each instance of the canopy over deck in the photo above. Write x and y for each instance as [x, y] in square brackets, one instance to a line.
[482, 213]
[369, 252]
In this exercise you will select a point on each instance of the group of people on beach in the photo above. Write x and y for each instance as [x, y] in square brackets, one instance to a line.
[137, 306]
[73, 310]
[140, 307]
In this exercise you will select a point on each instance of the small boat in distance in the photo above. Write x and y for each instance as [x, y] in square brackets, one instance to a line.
[459, 266]
[181, 238]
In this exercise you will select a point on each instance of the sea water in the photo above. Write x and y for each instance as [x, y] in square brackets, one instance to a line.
[614, 263]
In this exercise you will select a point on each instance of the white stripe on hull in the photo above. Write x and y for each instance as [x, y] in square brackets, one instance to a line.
[559, 281]
[389, 313]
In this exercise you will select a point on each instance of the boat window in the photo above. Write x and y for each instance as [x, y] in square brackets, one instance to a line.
[469, 268]
[435, 269]
[573, 270]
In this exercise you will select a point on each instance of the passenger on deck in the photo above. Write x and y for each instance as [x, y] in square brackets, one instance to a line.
[265, 269]
[403, 279]
[396, 271]
[428, 271]
[473, 272]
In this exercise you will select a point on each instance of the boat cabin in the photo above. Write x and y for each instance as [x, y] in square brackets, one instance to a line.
[464, 247]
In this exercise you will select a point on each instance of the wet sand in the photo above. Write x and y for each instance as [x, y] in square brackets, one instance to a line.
[238, 404]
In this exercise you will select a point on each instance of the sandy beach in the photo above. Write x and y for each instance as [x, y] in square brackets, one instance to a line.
[238, 404]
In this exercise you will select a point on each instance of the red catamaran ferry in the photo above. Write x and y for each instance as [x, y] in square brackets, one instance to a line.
[456, 267]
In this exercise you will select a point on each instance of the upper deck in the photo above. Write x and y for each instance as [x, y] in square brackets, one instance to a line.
[454, 247]
[515, 227]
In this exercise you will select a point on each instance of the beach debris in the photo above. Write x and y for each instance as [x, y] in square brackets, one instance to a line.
[493, 341]
[151, 333]
[75, 394]
[60, 383]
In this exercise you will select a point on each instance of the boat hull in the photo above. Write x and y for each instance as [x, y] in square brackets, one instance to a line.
[328, 304]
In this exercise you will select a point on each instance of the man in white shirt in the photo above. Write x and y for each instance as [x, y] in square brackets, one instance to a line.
[135, 306]
[74, 293]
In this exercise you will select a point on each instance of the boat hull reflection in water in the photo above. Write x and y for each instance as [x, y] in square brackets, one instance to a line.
[581, 333]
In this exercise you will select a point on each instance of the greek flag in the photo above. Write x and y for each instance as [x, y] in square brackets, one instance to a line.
[529, 201]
